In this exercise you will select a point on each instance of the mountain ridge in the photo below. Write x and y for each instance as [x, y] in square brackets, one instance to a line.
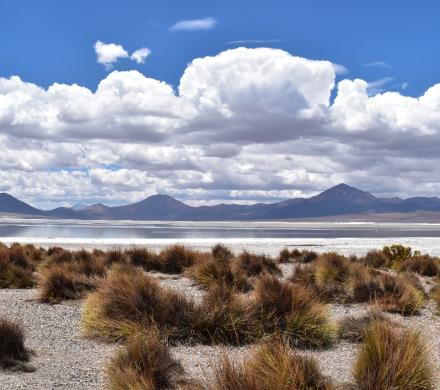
[338, 200]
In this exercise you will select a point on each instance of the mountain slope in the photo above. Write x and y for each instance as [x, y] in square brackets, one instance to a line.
[339, 200]
[11, 205]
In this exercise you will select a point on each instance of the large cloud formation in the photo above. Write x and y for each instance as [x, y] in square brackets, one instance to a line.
[244, 125]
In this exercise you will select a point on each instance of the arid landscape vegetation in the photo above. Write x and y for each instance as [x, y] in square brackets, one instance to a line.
[186, 319]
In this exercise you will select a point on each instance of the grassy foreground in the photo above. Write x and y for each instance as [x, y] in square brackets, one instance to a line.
[246, 300]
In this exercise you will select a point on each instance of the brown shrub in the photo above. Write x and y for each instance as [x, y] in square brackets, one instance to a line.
[254, 265]
[13, 275]
[375, 259]
[399, 295]
[129, 299]
[58, 283]
[224, 318]
[294, 311]
[422, 265]
[145, 362]
[142, 257]
[212, 272]
[295, 255]
[115, 256]
[221, 252]
[175, 259]
[392, 358]
[13, 352]
[271, 367]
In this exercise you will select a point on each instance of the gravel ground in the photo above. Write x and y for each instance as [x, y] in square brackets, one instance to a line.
[66, 361]
[63, 359]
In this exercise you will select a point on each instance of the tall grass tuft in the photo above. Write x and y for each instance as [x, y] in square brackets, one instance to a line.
[128, 299]
[391, 358]
[144, 363]
[272, 366]
[13, 353]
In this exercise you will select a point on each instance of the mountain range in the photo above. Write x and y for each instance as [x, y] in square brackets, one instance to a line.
[338, 201]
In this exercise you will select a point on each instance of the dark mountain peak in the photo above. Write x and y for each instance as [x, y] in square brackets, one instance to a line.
[161, 197]
[9, 204]
[345, 191]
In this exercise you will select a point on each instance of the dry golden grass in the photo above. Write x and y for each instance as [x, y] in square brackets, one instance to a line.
[295, 255]
[175, 259]
[211, 272]
[273, 366]
[144, 363]
[399, 295]
[422, 265]
[293, 311]
[58, 283]
[18, 264]
[224, 318]
[128, 299]
[254, 265]
[391, 358]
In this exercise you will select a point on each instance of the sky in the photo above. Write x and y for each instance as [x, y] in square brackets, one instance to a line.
[228, 101]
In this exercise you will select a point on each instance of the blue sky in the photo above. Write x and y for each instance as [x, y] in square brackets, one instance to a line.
[49, 41]
[226, 101]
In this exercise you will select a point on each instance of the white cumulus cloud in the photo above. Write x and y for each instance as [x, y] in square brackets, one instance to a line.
[140, 55]
[109, 53]
[245, 124]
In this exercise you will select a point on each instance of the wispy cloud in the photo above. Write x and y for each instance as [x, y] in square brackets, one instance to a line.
[375, 87]
[194, 24]
[377, 64]
[339, 69]
[253, 41]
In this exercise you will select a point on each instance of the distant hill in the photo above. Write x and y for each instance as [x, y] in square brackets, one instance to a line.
[341, 201]
[11, 205]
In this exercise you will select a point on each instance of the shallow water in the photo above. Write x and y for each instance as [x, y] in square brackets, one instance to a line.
[268, 237]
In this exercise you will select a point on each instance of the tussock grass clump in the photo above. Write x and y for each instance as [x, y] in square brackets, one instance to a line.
[399, 295]
[375, 259]
[58, 283]
[175, 259]
[115, 256]
[224, 318]
[15, 271]
[221, 252]
[294, 311]
[142, 257]
[422, 265]
[212, 272]
[295, 255]
[392, 358]
[13, 353]
[254, 265]
[308, 324]
[144, 363]
[272, 366]
[128, 299]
